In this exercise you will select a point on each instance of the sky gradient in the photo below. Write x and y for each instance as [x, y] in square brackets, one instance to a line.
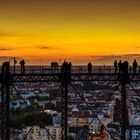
[41, 31]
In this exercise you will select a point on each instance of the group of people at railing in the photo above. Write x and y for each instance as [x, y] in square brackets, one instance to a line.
[124, 66]
[67, 66]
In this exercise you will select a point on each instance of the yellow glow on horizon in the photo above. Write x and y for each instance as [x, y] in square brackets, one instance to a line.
[72, 29]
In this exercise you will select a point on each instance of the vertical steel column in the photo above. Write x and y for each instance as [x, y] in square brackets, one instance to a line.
[64, 102]
[124, 80]
[123, 111]
[5, 99]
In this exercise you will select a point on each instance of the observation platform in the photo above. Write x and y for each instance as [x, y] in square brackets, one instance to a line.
[78, 73]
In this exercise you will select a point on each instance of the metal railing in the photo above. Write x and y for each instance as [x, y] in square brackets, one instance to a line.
[74, 69]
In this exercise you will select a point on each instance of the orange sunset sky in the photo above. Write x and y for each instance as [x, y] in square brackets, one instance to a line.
[41, 31]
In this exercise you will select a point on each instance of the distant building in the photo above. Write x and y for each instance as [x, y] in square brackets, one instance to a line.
[26, 95]
[38, 133]
[56, 119]
[134, 120]
[76, 119]
[134, 132]
[19, 104]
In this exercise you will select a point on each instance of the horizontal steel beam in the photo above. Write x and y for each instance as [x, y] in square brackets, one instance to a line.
[56, 77]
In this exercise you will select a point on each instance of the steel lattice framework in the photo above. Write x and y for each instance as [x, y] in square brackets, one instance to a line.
[7, 78]
[56, 77]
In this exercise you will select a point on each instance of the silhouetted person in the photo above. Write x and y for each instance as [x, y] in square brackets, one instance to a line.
[64, 70]
[89, 67]
[5, 68]
[22, 64]
[64, 67]
[125, 66]
[120, 66]
[135, 65]
[115, 65]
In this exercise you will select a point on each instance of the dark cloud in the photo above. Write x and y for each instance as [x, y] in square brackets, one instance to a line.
[137, 47]
[5, 34]
[6, 49]
[45, 47]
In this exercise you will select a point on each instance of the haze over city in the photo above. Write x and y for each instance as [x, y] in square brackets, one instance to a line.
[41, 31]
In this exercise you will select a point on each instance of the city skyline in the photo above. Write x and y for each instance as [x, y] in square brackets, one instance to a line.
[41, 31]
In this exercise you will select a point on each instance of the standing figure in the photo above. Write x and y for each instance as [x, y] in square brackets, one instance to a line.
[22, 64]
[89, 67]
[135, 65]
[115, 65]
[125, 66]
[64, 66]
[120, 66]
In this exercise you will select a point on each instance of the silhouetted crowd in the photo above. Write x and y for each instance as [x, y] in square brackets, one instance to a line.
[124, 66]
[119, 67]
[66, 67]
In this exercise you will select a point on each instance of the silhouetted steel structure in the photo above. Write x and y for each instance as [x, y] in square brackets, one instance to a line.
[5, 98]
[39, 75]
[124, 80]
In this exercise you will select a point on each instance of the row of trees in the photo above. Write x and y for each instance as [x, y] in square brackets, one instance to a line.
[29, 116]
